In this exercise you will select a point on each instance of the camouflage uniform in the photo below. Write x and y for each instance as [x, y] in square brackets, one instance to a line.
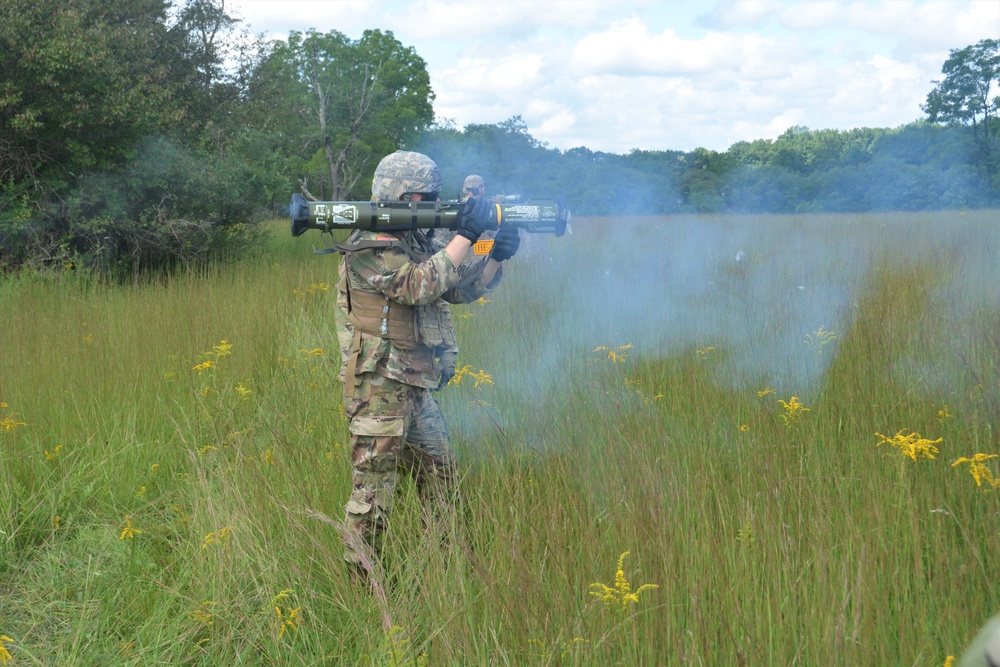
[395, 422]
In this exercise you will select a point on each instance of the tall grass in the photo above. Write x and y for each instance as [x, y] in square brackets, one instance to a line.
[773, 536]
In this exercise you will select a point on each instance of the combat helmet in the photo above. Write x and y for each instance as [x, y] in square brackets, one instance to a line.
[402, 172]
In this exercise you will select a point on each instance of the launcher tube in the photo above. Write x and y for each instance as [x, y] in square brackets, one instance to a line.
[535, 215]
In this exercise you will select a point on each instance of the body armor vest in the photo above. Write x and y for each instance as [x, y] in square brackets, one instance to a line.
[371, 313]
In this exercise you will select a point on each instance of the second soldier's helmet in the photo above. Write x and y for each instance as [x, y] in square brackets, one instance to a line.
[405, 172]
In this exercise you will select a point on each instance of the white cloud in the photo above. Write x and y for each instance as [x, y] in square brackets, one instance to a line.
[733, 14]
[619, 75]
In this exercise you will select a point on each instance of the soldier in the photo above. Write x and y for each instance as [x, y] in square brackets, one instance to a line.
[398, 345]
[474, 187]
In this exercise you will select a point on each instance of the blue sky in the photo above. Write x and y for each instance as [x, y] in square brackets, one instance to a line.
[614, 76]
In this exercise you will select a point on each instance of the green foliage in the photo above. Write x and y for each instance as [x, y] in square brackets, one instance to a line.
[343, 104]
[123, 143]
[79, 83]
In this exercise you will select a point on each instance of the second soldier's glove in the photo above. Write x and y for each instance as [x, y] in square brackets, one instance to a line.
[505, 243]
[477, 216]
[447, 362]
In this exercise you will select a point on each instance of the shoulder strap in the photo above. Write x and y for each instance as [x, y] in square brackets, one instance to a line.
[358, 246]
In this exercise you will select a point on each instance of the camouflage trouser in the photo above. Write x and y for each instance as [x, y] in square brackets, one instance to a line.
[394, 427]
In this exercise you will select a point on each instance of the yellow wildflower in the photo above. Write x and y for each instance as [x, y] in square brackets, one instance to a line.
[56, 520]
[744, 427]
[943, 414]
[482, 301]
[315, 352]
[482, 377]
[318, 287]
[820, 339]
[704, 353]
[89, 338]
[618, 597]
[204, 366]
[219, 537]
[243, 391]
[615, 356]
[154, 468]
[764, 392]
[128, 531]
[978, 469]
[53, 455]
[223, 348]
[5, 655]
[949, 661]
[793, 411]
[141, 491]
[912, 445]
[202, 613]
[288, 619]
[9, 423]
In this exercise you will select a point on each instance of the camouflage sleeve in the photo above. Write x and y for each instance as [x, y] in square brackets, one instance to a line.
[391, 272]
[470, 284]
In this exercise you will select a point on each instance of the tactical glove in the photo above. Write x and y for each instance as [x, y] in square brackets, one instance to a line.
[505, 243]
[447, 369]
[476, 217]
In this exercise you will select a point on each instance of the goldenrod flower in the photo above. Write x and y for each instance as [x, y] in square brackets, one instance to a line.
[56, 520]
[820, 339]
[704, 353]
[764, 392]
[949, 661]
[744, 427]
[615, 356]
[202, 613]
[315, 352]
[617, 598]
[220, 537]
[912, 445]
[482, 301]
[978, 469]
[288, 619]
[793, 411]
[318, 287]
[243, 391]
[204, 366]
[128, 531]
[89, 338]
[9, 423]
[53, 455]
[5, 655]
[223, 348]
[943, 414]
[482, 377]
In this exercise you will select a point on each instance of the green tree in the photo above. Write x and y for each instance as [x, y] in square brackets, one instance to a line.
[347, 103]
[968, 92]
[80, 82]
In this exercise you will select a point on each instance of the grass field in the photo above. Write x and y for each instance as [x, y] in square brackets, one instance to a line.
[688, 441]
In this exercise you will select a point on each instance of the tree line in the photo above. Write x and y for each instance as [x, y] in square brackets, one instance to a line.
[138, 135]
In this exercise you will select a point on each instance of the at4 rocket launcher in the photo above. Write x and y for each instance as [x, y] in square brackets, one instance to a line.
[547, 216]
